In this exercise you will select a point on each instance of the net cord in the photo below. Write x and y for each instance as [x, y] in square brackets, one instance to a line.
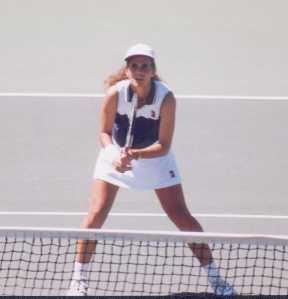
[134, 235]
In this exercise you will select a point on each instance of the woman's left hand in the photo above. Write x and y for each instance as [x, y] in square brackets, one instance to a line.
[123, 163]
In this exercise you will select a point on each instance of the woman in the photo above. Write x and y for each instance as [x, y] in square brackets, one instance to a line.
[148, 164]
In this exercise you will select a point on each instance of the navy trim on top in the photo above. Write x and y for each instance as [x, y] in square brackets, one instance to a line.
[145, 131]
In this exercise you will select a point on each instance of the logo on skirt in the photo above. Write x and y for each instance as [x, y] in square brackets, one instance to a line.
[172, 174]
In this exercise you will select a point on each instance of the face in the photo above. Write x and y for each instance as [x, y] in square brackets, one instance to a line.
[140, 69]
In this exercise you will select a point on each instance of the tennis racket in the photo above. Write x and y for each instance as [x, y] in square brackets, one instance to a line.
[131, 117]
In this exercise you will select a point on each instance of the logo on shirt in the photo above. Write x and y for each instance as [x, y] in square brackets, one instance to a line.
[153, 114]
[172, 174]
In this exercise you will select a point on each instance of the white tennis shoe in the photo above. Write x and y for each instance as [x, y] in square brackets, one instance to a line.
[78, 287]
[222, 288]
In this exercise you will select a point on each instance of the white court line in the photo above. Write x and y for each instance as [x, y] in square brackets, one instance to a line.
[200, 215]
[179, 96]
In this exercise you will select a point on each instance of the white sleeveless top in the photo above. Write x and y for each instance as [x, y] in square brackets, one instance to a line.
[146, 127]
[154, 173]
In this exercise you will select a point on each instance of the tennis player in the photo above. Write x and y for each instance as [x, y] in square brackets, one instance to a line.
[146, 163]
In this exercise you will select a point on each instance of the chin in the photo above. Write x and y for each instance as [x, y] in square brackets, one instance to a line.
[139, 81]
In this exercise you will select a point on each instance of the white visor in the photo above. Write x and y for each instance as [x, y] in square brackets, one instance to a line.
[140, 49]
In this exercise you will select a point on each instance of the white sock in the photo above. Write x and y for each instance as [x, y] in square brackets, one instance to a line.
[80, 270]
[212, 272]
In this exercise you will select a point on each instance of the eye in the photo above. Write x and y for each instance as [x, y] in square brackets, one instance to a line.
[134, 66]
[144, 67]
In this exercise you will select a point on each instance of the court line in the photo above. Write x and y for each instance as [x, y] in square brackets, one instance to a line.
[179, 96]
[200, 215]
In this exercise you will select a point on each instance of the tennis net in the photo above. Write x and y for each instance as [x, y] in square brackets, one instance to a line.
[40, 261]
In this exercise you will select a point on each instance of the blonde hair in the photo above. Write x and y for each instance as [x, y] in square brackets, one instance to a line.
[121, 75]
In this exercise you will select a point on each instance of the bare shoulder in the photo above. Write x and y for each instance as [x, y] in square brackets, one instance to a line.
[169, 101]
[111, 98]
[112, 93]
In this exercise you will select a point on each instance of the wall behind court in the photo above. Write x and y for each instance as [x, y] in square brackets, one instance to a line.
[204, 47]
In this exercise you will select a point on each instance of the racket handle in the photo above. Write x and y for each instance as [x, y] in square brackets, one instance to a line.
[124, 149]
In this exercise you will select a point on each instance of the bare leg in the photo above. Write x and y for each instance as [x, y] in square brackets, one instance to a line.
[102, 198]
[173, 203]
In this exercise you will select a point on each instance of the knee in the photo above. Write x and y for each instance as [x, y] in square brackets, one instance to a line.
[185, 221]
[99, 208]
[177, 214]
[95, 214]
[95, 218]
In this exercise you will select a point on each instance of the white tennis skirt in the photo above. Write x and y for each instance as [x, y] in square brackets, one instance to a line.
[155, 173]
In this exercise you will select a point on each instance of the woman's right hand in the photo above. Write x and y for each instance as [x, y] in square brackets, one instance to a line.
[123, 163]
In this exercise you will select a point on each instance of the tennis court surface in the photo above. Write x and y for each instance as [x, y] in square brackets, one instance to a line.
[47, 165]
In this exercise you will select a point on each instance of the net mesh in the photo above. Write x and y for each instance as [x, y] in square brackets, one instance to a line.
[42, 264]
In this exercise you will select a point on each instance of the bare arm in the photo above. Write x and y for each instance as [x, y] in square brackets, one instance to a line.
[166, 130]
[107, 116]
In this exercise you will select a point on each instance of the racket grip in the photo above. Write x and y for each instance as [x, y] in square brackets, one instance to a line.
[125, 149]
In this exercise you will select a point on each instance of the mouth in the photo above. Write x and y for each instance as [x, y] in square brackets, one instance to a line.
[139, 79]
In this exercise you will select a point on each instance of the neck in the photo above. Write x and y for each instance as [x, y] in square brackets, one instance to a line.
[142, 90]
